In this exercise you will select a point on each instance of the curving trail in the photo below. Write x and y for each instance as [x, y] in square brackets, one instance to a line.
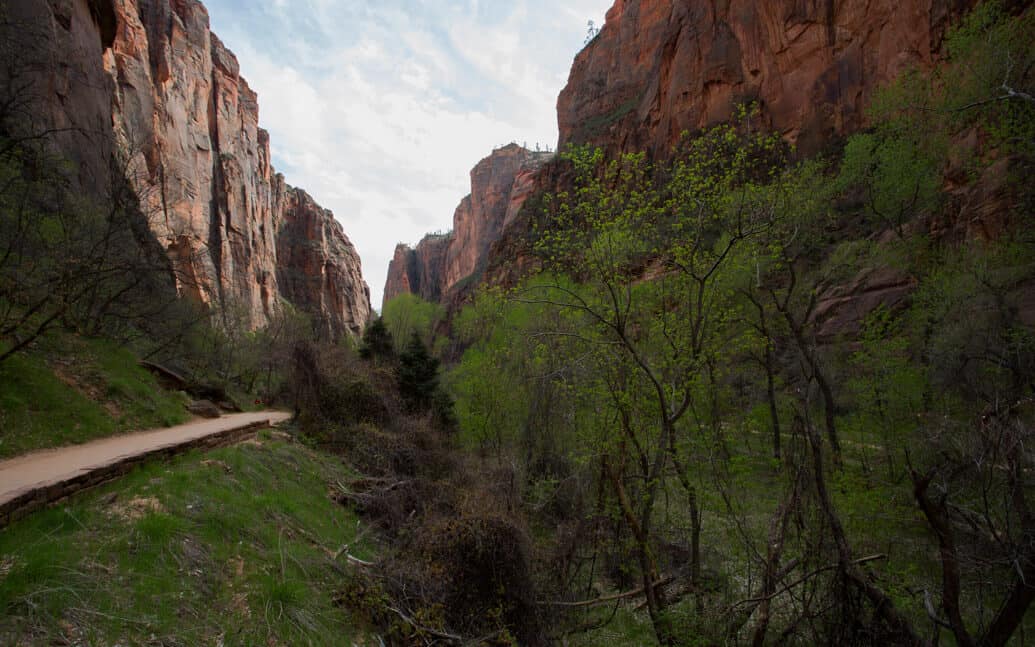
[28, 478]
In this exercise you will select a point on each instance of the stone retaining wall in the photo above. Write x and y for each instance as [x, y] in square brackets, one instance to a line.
[34, 500]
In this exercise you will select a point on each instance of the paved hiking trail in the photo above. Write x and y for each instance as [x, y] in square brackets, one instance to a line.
[53, 467]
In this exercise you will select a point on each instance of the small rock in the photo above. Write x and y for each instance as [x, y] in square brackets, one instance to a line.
[228, 405]
[204, 408]
[215, 463]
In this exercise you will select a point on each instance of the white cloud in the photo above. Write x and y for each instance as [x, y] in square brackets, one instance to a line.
[379, 110]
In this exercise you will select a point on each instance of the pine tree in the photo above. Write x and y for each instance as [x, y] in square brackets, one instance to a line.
[377, 341]
[417, 375]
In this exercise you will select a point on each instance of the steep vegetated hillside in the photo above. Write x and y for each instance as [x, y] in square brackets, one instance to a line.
[239, 546]
[759, 352]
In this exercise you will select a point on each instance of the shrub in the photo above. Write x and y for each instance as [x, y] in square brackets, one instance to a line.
[478, 567]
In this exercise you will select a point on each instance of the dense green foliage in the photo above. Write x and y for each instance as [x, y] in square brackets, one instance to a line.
[407, 314]
[780, 397]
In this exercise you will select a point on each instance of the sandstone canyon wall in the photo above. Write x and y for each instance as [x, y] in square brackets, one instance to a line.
[500, 185]
[317, 267]
[661, 67]
[53, 80]
[161, 93]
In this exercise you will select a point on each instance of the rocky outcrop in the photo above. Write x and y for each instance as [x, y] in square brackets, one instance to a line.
[318, 268]
[170, 103]
[418, 270]
[661, 67]
[500, 185]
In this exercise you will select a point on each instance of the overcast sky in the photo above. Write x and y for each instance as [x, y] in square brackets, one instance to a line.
[380, 108]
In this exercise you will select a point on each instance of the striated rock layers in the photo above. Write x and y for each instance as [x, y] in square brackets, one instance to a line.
[185, 125]
[441, 264]
[661, 67]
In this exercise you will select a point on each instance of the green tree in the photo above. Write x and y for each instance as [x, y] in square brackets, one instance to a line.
[408, 313]
[513, 383]
[659, 344]
[377, 341]
[417, 375]
[977, 422]
[898, 171]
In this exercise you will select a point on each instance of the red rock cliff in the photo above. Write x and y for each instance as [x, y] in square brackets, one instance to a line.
[500, 184]
[53, 79]
[179, 112]
[317, 266]
[418, 270]
[659, 67]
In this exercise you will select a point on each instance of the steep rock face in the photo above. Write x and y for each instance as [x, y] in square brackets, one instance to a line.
[510, 256]
[55, 79]
[401, 277]
[500, 184]
[157, 89]
[202, 165]
[418, 270]
[480, 216]
[660, 67]
[318, 267]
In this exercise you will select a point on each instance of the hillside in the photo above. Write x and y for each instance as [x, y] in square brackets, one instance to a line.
[762, 333]
[187, 553]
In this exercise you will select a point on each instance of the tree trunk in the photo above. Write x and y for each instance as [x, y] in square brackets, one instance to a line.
[640, 530]
[883, 605]
[774, 552]
[774, 414]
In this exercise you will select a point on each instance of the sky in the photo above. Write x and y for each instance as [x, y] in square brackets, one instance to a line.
[380, 108]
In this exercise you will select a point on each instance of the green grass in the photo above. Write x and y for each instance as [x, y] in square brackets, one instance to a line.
[68, 389]
[234, 546]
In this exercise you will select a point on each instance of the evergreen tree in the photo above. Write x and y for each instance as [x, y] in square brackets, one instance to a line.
[417, 374]
[377, 341]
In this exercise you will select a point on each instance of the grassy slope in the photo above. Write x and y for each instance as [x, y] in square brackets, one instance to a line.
[231, 547]
[70, 389]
